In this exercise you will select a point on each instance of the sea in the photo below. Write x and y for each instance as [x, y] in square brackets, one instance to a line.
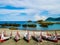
[38, 27]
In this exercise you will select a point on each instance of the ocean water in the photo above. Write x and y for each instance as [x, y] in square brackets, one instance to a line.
[50, 27]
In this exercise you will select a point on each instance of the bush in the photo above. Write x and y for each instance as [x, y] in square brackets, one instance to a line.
[31, 25]
[13, 28]
[24, 25]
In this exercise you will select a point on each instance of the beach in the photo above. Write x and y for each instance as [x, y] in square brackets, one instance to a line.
[22, 32]
[23, 42]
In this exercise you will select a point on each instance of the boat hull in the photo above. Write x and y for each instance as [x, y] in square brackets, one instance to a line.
[49, 39]
[28, 40]
[3, 40]
[16, 40]
[52, 40]
[36, 39]
[58, 37]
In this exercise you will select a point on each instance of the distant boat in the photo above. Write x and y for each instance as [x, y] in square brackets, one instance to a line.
[3, 38]
[52, 38]
[17, 37]
[37, 38]
[27, 36]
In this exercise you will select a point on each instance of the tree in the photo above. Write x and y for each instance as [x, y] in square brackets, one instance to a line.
[40, 21]
[29, 21]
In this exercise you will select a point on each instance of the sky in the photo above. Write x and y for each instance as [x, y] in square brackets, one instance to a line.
[24, 10]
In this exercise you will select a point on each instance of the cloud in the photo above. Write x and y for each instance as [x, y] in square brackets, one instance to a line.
[39, 17]
[7, 11]
[13, 8]
[29, 9]
[16, 15]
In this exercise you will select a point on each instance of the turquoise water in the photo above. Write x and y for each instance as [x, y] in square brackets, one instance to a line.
[50, 27]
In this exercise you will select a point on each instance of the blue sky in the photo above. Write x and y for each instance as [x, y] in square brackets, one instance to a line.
[23, 10]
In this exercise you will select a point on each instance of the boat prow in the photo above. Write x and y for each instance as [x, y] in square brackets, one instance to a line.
[27, 36]
[2, 39]
[37, 38]
[17, 37]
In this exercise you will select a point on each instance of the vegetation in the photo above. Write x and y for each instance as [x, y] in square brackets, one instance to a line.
[13, 28]
[24, 25]
[57, 22]
[39, 21]
[44, 25]
[29, 21]
[31, 25]
[15, 25]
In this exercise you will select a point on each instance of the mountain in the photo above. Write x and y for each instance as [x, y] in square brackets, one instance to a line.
[53, 19]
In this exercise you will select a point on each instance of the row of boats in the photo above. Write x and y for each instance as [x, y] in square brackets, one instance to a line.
[27, 36]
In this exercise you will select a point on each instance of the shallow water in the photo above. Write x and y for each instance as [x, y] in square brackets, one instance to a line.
[50, 27]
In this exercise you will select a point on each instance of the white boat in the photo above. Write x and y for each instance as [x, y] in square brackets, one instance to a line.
[37, 38]
[0, 35]
[58, 36]
[3, 38]
[5, 35]
[27, 36]
[46, 36]
[17, 37]
[11, 34]
[50, 37]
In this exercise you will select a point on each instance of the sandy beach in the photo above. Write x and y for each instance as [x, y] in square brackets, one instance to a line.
[23, 42]
[22, 32]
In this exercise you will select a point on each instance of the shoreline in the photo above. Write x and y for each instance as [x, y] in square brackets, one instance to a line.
[32, 30]
[28, 30]
[22, 32]
[22, 41]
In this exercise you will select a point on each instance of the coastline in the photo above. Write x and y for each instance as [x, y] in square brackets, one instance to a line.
[23, 42]
[22, 32]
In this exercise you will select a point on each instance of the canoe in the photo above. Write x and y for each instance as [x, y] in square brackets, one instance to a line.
[53, 39]
[17, 37]
[37, 38]
[27, 36]
[3, 38]
[50, 37]
[58, 36]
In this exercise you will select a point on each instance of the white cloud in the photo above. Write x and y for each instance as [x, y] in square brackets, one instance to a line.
[53, 6]
[46, 4]
[39, 17]
[34, 4]
[14, 15]
[34, 7]
[27, 11]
